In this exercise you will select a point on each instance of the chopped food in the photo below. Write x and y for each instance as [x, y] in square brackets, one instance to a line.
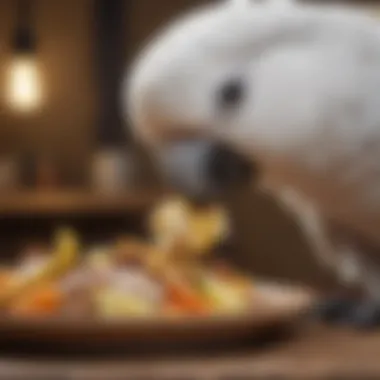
[62, 259]
[188, 299]
[113, 303]
[44, 300]
[177, 223]
[225, 297]
[166, 275]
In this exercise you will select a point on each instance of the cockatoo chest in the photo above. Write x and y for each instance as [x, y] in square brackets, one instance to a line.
[342, 186]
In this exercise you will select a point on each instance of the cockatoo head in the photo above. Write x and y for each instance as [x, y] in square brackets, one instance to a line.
[236, 86]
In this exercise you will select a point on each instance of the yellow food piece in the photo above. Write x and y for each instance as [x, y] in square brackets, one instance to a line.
[176, 222]
[169, 223]
[65, 254]
[206, 228]
[226, 296]
[99, 259]
[64, 258]
[111, 303]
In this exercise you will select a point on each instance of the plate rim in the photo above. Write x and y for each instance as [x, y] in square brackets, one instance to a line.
[260, 316]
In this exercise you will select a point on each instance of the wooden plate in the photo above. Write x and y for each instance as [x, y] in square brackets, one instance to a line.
[274, 306]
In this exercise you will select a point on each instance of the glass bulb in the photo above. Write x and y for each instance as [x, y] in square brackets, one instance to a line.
[24, 85]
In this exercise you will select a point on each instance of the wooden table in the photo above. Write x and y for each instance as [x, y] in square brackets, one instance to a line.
[314, 353]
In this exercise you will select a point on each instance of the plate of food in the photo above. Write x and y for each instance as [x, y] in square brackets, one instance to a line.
[164, 289]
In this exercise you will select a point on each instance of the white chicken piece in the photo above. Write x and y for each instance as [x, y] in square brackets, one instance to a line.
[293, 89]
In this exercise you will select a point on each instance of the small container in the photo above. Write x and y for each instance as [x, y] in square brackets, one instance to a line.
[112, 171]
[9, 174]
[47, 176]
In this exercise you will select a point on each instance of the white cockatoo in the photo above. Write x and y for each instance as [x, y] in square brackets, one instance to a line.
[290, 89]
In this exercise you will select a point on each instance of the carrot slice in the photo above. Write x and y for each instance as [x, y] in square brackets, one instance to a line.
[181, 297]
[45, 300]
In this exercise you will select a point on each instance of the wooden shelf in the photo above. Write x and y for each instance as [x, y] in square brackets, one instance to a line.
[73, 202]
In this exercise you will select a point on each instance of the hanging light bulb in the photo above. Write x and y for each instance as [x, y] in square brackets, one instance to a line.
[24, 83]
[24, 90]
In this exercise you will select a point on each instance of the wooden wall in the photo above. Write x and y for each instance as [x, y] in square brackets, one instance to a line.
[65, 123]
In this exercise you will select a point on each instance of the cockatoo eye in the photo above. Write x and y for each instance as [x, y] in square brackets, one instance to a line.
[231, 94]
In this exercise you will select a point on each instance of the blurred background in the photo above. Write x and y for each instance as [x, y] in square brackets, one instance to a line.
[66, 156]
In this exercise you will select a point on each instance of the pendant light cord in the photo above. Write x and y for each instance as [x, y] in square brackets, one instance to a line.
[24, 41]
